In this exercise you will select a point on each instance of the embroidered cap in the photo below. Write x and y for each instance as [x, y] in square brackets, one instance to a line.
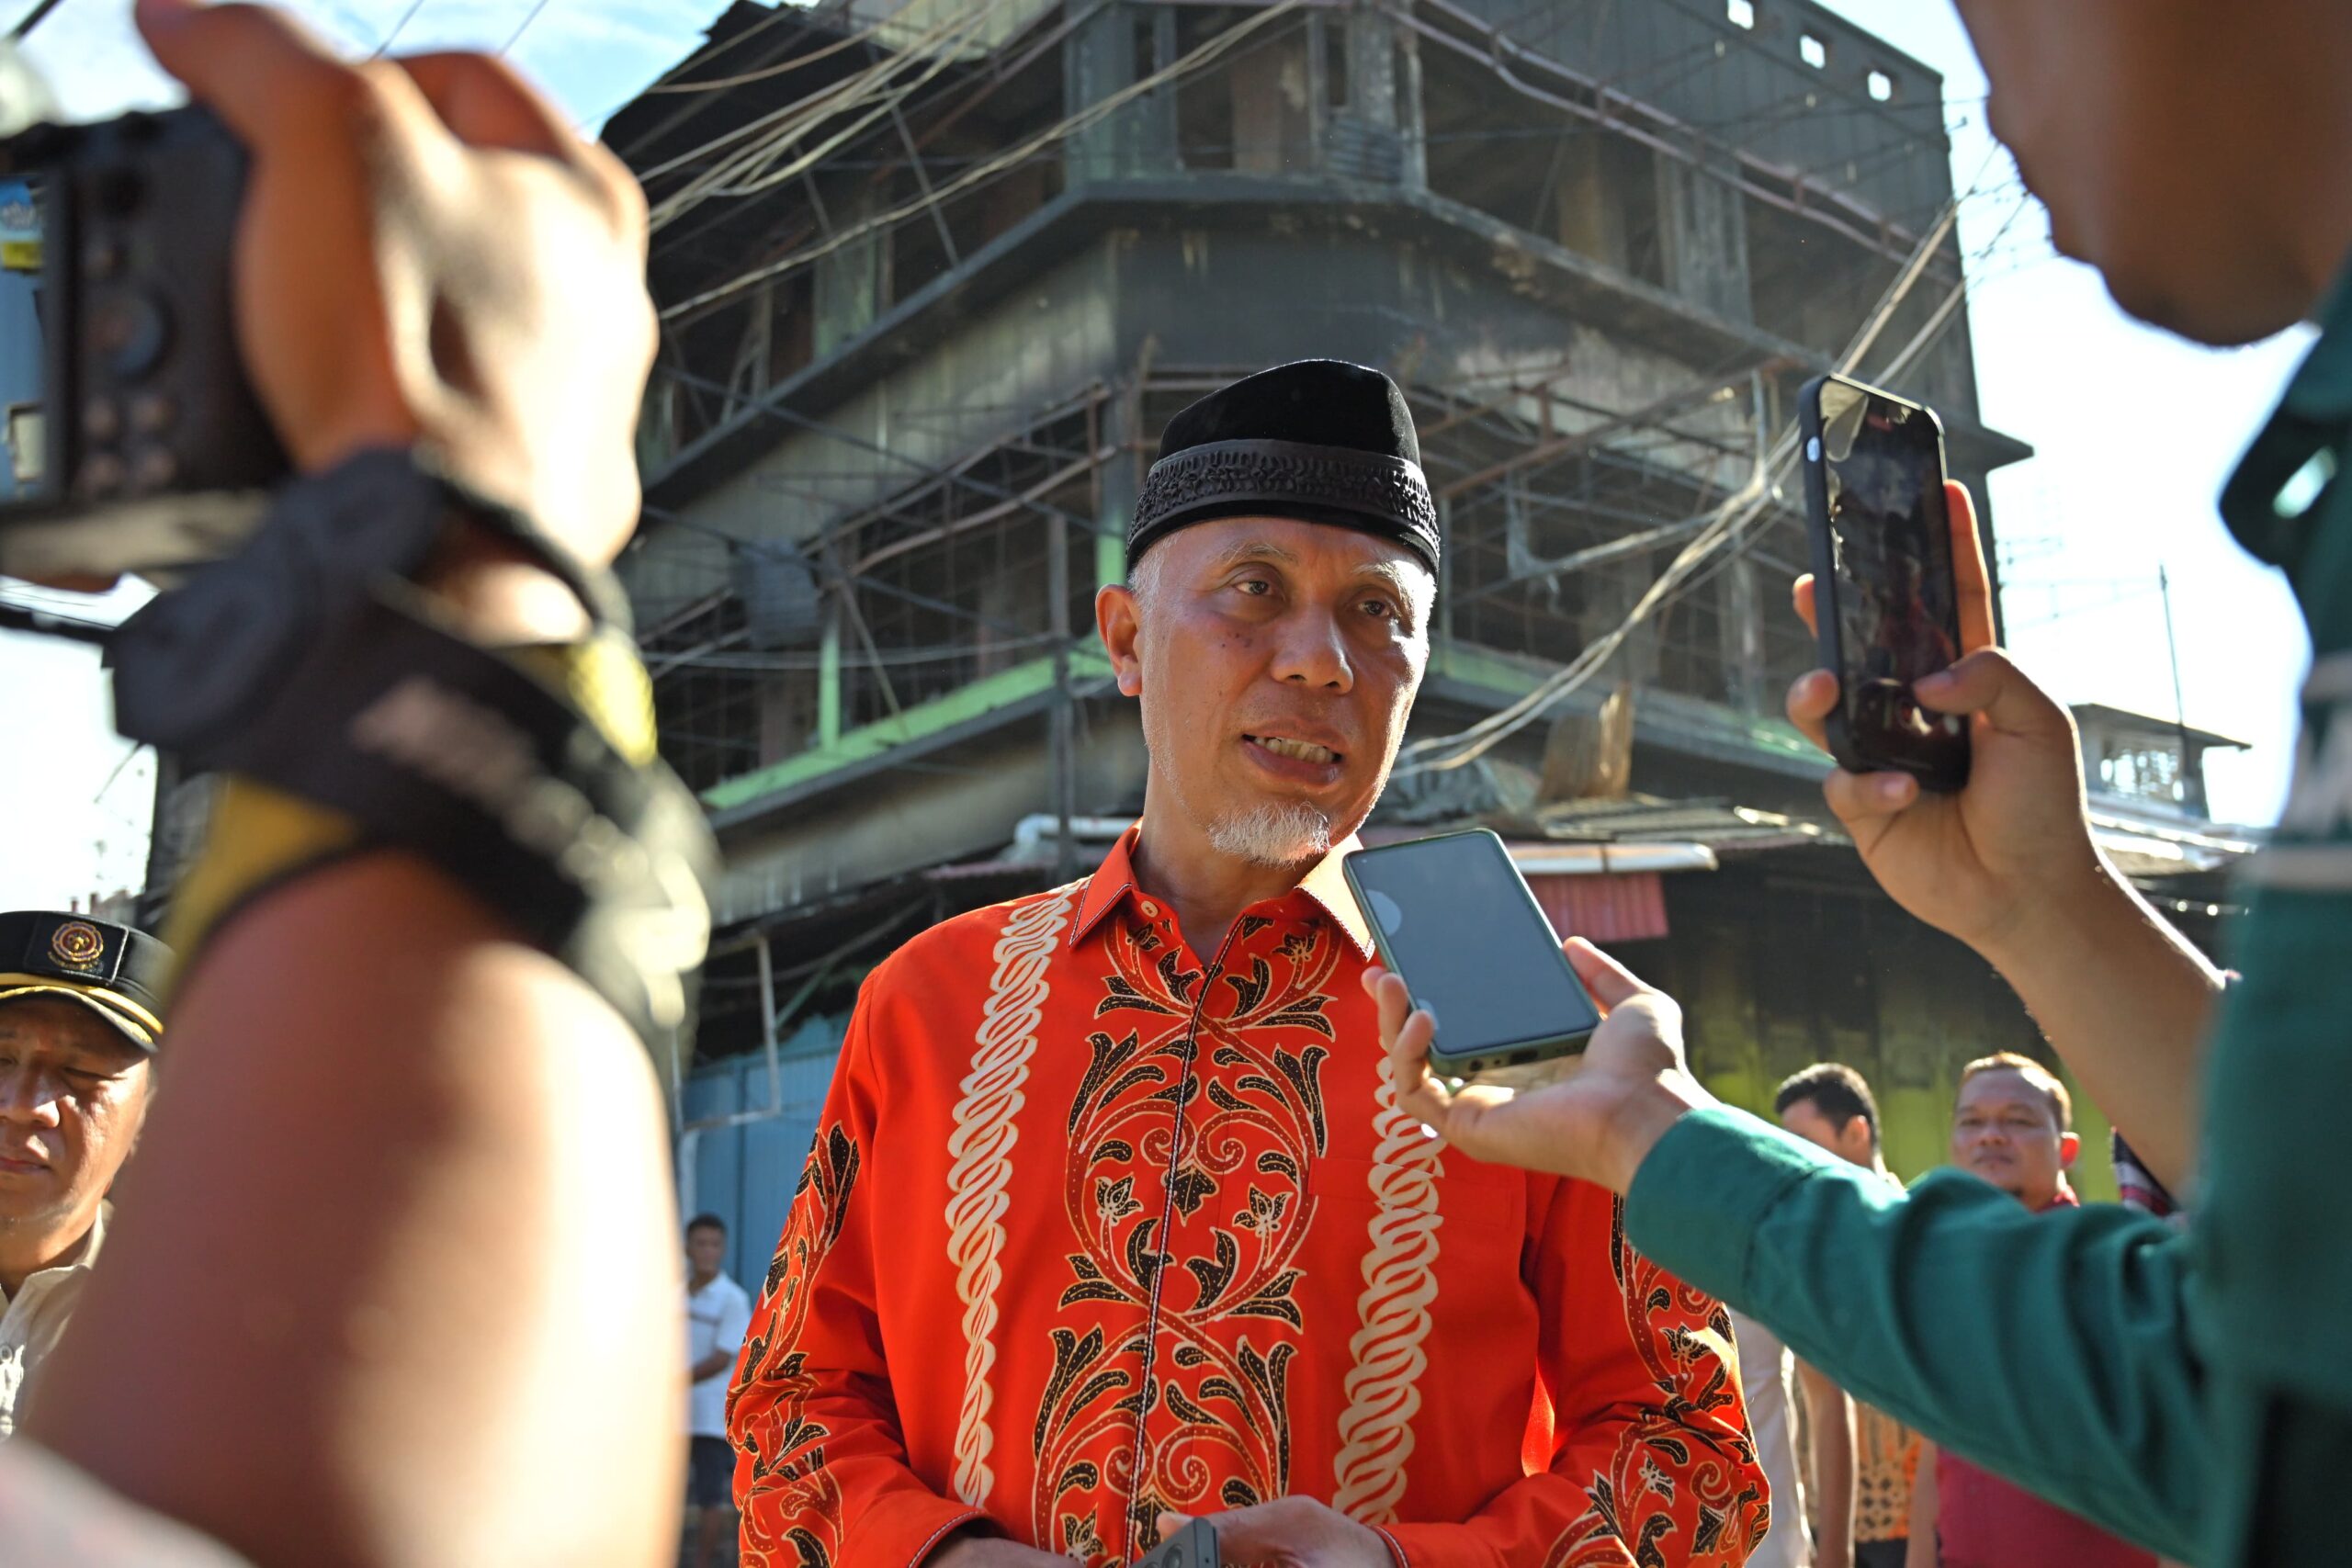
[114, 971]
[1319, 439]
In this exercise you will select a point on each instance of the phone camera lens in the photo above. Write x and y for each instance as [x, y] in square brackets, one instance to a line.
[129, 329]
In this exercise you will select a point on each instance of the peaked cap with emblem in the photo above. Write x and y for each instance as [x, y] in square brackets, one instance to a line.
[114, 971]
[1319, 439]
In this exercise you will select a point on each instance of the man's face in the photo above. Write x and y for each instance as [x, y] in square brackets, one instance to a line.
[706, 1248]
[1850, 1143]
[2127, 124]
[2005, 1130]
[72, 1093]
[1276, 662]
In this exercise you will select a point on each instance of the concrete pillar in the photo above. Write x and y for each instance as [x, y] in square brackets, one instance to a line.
[1702, 235]
[1591, 211]
[851, 286]
[1112, 50]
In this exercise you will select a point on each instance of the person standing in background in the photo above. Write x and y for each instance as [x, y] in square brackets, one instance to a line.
[1864, 1461]
[2013, 1125]
[1767, 1380]
[718, 1316]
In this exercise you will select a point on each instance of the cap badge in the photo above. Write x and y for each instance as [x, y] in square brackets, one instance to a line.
[76, 944]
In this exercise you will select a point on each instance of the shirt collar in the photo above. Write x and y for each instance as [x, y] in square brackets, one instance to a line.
[2321, 386]
[85, 1256]
[1114, 881]
[2275, 486]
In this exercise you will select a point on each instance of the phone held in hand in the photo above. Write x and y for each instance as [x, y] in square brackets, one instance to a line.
[1886, 601]
[1452, 916]
[1195, 1546]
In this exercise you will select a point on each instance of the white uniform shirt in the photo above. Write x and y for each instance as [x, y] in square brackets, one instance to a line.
[1767, 1371]
[718, 1317]
[32, 1320]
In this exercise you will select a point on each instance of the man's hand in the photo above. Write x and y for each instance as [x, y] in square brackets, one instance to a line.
[1598, 1123]
[2009, 866]
[2015, 845]
[429, 256]
[1291, 1532]
[968, 1549]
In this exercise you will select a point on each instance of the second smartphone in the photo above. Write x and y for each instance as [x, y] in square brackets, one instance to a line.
[1885, 596]
[1453, 917]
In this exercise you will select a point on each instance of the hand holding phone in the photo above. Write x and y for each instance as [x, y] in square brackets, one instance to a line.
[1885, 586]
[2016, 835]
[1192, 1546]
[1597, 1124]
[1452, 916]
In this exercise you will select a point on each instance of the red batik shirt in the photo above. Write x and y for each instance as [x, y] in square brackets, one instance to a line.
[1095, 1224]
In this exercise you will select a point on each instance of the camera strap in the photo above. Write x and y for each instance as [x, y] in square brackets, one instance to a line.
[351, 717]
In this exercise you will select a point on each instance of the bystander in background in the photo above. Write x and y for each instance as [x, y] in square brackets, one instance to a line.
[1864, 1461]
[2013, 1125]
[78, 1024]
[717, 1313]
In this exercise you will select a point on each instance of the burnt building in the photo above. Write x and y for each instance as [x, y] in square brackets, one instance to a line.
[932, 277]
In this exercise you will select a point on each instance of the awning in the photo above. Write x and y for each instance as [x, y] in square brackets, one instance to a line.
[1618, 908]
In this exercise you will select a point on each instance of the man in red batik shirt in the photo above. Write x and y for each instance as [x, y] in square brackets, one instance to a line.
[1112, 1215]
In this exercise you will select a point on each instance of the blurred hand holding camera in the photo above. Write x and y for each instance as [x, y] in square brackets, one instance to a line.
[428, 255]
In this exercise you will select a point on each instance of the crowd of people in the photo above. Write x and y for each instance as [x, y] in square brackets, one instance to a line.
[1133, 1202]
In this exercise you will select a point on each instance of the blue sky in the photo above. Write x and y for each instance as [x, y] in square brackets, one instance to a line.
[2135, 430]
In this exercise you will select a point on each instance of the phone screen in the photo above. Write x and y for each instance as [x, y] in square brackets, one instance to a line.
[22, 373]
[1458, 922]
[1883, 472]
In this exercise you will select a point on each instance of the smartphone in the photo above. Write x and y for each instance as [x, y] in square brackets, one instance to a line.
[144, 447]
[1453, 917]
[1886, 601]
[1195, 1546]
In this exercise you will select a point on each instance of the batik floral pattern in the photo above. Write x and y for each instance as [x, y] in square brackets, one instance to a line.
[783, 1447]
[1200, 1110]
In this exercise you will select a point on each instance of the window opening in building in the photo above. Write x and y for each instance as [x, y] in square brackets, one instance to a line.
[1815, 52]
[1742, 13]
[1882, 86]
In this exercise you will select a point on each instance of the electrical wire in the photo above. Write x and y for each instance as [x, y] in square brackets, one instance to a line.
[785, 126]
[1070, 125]
[516, 36]
[1722, 527]
[398, 28]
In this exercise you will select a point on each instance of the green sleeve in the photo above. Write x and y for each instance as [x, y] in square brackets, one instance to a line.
[2051, 1348]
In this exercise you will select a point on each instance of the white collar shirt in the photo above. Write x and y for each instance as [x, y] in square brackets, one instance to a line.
[34, 1319]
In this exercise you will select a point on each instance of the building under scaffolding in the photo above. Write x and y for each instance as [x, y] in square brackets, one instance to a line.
[933, 277]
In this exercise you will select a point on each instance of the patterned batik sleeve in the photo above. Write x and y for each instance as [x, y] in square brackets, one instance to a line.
[821, 1470]
[1649, 1459]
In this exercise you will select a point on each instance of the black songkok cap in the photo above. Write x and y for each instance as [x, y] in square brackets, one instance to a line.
[1320, 440]
[114, 971]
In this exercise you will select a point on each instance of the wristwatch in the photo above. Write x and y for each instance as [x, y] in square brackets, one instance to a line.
[312, 663]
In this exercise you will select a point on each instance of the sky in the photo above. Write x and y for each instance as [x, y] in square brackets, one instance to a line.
[2133, 430]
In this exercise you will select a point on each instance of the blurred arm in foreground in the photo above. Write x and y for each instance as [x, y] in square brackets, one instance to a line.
[394, 1279]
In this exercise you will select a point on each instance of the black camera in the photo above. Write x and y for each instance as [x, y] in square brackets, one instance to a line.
[146, 450]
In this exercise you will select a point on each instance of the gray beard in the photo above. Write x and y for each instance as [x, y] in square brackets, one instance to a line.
[1289, 834]
[1277, 833]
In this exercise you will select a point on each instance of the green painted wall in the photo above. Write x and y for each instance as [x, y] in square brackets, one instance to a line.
[1775, 974]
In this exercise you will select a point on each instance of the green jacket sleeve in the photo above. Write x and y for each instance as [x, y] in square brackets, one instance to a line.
[2051, 1348]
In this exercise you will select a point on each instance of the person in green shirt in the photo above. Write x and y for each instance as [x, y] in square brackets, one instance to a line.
[2192, 1393]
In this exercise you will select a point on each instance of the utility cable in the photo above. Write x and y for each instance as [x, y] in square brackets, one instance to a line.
[1070, 126]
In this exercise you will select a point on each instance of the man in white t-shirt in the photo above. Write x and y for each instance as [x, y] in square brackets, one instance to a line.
[717, 1313]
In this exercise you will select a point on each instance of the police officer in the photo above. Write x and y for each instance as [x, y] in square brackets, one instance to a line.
[79, 1023]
